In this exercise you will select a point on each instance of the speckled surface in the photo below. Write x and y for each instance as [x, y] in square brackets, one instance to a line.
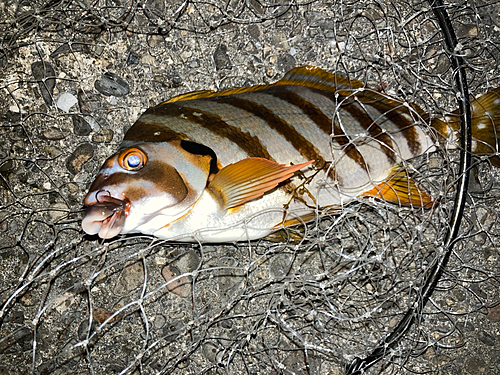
[75, 75]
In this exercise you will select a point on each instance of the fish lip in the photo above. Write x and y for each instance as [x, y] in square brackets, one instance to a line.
[105, 215]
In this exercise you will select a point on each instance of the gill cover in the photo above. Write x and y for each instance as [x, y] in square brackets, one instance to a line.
[144, 183]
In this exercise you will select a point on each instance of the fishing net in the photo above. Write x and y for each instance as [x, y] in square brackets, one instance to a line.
[373, 287]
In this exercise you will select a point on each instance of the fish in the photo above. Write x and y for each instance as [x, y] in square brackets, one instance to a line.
[243, 163]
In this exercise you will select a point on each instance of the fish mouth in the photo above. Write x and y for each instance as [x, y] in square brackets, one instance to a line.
[106, 217]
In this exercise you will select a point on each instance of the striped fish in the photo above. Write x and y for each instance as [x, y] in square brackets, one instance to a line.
[240, 164]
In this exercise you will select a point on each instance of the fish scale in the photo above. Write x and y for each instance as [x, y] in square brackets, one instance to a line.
[241, 163]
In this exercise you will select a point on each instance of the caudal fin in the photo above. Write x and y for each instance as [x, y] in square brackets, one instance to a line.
[485, 111]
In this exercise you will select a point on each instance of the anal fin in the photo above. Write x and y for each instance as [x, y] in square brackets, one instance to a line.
[402, 190]
[288, 235]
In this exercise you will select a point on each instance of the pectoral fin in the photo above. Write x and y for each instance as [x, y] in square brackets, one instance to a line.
[247, 179]
[401, 189]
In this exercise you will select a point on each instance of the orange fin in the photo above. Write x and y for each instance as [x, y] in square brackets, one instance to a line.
[289, 235]
[190, 95]
[485, 124]
[203, 94]
[401, 189]
[247, 179]
[307, 75]
[312, 76]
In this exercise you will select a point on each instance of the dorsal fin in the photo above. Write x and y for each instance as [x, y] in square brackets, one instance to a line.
[312, 76]
[307, 76]
[191, 95]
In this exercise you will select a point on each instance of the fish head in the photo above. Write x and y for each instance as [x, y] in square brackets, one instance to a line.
[144, 181]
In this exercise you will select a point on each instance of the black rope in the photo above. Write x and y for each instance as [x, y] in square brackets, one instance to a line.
[358, 365]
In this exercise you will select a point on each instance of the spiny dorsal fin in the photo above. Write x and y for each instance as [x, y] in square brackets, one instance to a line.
[312, 76]
[401, 189]
[191, 95]
[307, 75]
[247, 179]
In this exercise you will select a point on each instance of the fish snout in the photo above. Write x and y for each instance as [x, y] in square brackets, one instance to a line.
[105, 214]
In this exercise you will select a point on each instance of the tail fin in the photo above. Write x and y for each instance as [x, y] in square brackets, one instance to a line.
[485, 111]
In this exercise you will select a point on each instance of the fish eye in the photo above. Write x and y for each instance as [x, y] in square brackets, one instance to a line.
[132, 159]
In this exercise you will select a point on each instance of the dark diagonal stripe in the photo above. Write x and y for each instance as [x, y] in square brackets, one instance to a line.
[321, 120]
[299, 142]
[215, 124]
[394, 112]
[375, 131]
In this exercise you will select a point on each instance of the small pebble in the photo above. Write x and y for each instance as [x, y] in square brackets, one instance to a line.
[286, 62]
[476, 288]
[183, 265]
[81, 126]
[101, 315]
[254, 31]
[171, 330]
[45, 74]
[111, 85]
[132, 59]
[221, 58]
[79, 157]
[210, 351]
[494, 314]
[486, 338]
[72, 188]
[174, 79]
[159, 321]
[8, 166]
[66, 48]
[65, 101]
[12, 117]
[58, 211]
[104, 136]
[131, 278]
[183, 364]
[475, 365]
[82, 102]
[54, 134]
[177, 284]
[52, 151]
[83, 329]
[17, 317]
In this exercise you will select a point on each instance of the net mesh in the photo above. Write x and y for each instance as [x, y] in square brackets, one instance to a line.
[76, 74]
